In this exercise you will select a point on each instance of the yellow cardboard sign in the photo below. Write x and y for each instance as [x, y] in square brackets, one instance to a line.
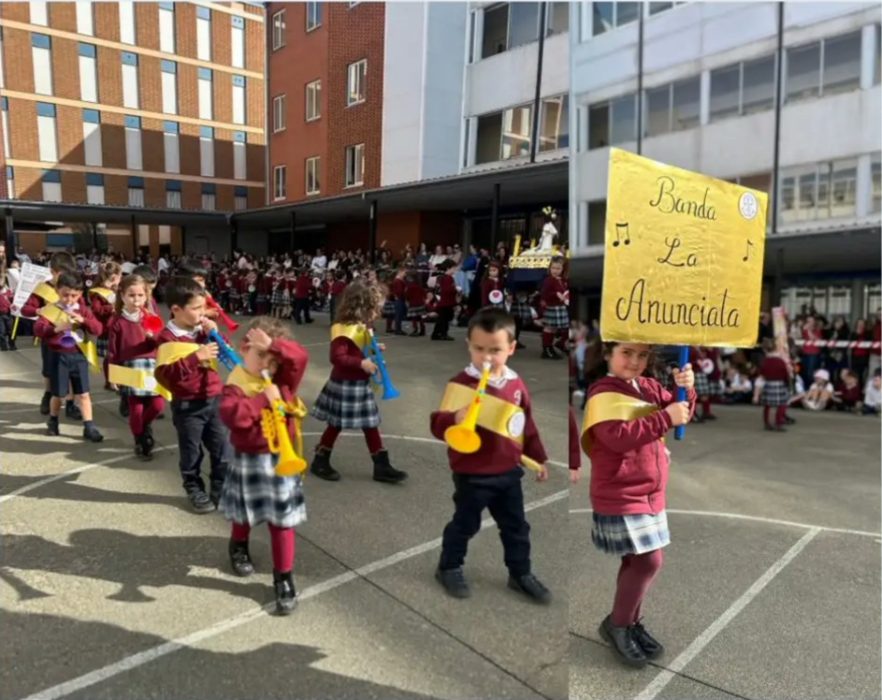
[684, 256]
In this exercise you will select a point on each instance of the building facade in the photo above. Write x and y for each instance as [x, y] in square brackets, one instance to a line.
[708, 75]
[140, 104]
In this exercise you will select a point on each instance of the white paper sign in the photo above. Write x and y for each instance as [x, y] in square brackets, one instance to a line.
[31, 276]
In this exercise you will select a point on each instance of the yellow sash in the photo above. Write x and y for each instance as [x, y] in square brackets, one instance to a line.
[137, 379]
[356, 332]
[496, 415]
[46, 292]
[107, 294]
[611, 405]
[169, 353]
[57, 317]
[252, 386]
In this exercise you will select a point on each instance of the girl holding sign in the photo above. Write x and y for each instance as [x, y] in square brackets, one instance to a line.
[627, 418]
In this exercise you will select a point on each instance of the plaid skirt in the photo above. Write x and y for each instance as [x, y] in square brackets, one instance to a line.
[389, 309]
[630, 534]
[775, 394]
[278, 297]
[347, 404]
[522, 310]
[148, 364]
[253, 494]
[416, 311]
[101, 344]
[556, 317]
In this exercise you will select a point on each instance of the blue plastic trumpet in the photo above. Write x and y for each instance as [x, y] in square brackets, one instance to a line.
[373, 353]
[229, 357]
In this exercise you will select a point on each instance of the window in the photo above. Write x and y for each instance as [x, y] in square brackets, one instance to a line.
[313, 100]
[209, 196]
[658, 111]
[877, 59]
[489, 137]
[355, 165]
[39, 13]
[517, 126]
[94, 188]
[173, 194]
[51, 185]
[237, 40]
[826, 67]
[803, 72]
[126, 21]
[92, 137]
[313, 15]
[169, 87]
[280, 182]
[355, 91]
[495, 39]
[240, 198]
[166, 27]
[130, 79]
[2, 72]
[41, 50]
[612, 123]
[88, 73]
[238, 99]
[515, 24]
[609, 15]
[523, 23]
[4, 124]
[46, 133]
[206, 151]
[554, 129]
[279, 113]
[171, 146]
[239, 145]
[312, 176]
[85, 20]
[656, 7]
[596, 223]
[10, 182]
[819, 191]
[686, 102]
[136, 191]
[598, 126]
[133, 143]
[205, 93]
[558, 18]
[725, 89]
[203, 33]
[876, 176]
[742, 88]
[279, 30]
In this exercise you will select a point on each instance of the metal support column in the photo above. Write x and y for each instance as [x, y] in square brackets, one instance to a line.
[494, 216]
[372, 232]
[537, 100]
[778, 280]
[9, 234]
[292, 228]
[640, 81]
[776, 166]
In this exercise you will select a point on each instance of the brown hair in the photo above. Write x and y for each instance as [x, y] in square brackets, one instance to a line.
[273, 327]
[129, 281]
[491, 319]
[360, 302]
[597, 364]
[108, 270]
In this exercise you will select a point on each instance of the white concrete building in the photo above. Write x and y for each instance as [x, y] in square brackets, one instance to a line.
[709, 74]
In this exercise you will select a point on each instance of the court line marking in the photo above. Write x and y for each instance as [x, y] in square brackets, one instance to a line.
[699, 643]
[756, 518]
[135, 660]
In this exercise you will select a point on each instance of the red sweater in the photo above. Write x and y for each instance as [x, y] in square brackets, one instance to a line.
[446, 290]
[187, 379]
[302, 287]
[397, 288]
[415, 294]
[33, 305]
[629, 462]
[127, 340]
[575, 452]
[337, 288]
[102, 309]
[346, 361]
[242, 414]
[44, 329]
[6, 302]
[497, 454]
[551, 286]
[489, 285]
[774, 369]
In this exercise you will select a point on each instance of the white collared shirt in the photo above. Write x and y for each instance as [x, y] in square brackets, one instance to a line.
[507, 375]
[179, 332]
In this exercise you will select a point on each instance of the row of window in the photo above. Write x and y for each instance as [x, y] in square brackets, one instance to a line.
[92, 142]
[509, 134]
[355, 94]
[313, 21]
[822, 68]
[609, 15]
[167, 27]
[353, 177]
[88, 68]
[51, 190]
[509, 25]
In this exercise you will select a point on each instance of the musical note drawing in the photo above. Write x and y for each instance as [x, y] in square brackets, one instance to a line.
[747, 254]
[619, 229]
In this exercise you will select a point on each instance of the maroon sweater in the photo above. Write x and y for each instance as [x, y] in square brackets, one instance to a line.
[242, 414]
[6, 302]
[346, 361]
[102, 309]
[302, 287]
[446, 289]
[188, 379]
[337, 288]
[127, 340]
[489, 285]
[497, 454]
[774, 369]
[396, 289]
[33, 305]
[551, 286]
[415, 294]
[44, 329]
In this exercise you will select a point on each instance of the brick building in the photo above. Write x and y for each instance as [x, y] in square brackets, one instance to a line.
[158, 105]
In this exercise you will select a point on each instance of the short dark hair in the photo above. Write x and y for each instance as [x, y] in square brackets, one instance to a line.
[491, 319]
[146, 272]
[190, 268]
[71, 280]
[62, 262]
[180, 291]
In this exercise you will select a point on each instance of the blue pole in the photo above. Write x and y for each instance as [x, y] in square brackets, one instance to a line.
[682, 359]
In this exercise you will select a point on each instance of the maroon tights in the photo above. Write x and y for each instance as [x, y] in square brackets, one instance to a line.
[371, 436]
[636, 575]
[282, 539]
[143, 411]
[548, 337]
[780, 414]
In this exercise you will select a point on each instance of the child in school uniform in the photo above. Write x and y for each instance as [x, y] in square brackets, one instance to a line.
[415, 294]
[397, 292]
[347, 399]
[62, 328]
[186, 367]
[492, 282]
[773, 384]
[491, 476]
[7, 342]
[627, 418]
[253, 493]
[445, 289]
[556, 318]
[102, 302]
[337, 287]
[707, 379]
[302, 288]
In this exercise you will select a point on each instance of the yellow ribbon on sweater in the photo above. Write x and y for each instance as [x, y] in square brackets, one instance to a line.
[496, 415]
[107, 294]
[356, 332]
[611, 405]
[140, 379]
[86, 346]
[169, 353]
[46, 292]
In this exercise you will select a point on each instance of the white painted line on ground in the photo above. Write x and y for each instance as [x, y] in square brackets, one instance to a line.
[134, 661]
[662, 679]
[756, 518]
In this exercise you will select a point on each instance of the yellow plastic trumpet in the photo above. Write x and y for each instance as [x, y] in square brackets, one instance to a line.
[274, 426]
[463, 437]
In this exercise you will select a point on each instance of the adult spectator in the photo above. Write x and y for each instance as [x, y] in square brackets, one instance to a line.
[21, 255]
[860, 357]
[876, 352]
[438, 258]
[811, 354]
[873, 394]
[320, 261]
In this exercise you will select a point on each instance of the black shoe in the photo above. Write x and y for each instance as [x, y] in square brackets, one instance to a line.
[321, 466]
[623, 644]
[240, 559]
[215, 493]
[148, 437]
[92, 434]
[52, 426]
[384, 471]
[448, 337]
[549, 354]
[790, 421]
[161, 416]
[399, 333]
[199, 501]
[414, 334]
[650, 645]
[530, 586]
[454, 582]
[697, 419]
[769, 427]
[139, 447]
[519, 345]
[72, 411]
[44, 403]
[12, 345]
[4, 344]
[124, 406]
[708, 416]
[286, 594]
